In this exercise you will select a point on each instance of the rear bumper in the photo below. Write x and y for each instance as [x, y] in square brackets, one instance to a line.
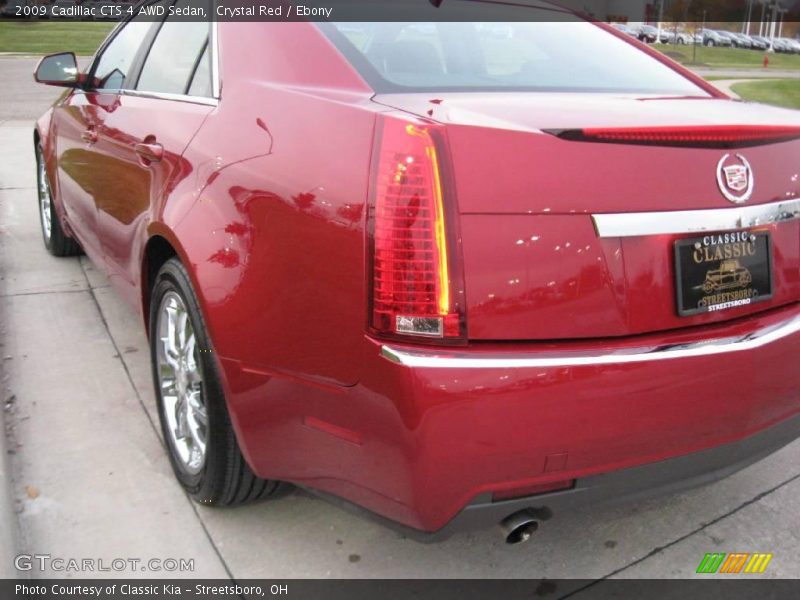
[492, 418]
[428, 435]
[618, 487]
[637, 483]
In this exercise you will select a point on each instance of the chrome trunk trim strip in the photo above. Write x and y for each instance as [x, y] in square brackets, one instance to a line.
[444, 359]
[610, 225]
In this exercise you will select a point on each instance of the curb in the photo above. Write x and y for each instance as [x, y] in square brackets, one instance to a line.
[9, 525]
[9, 539]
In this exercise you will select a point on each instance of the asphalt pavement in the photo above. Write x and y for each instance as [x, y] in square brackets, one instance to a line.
[89, 477]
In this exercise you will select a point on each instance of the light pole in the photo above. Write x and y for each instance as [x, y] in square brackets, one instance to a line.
[660, 18]
[772, 27]
[748, 18]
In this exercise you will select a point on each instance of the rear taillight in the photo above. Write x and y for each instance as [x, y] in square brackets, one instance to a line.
[692, 136]
[411, 261]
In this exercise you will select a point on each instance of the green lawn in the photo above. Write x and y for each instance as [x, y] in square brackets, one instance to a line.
[729, 58]
[781, 92]
[37, 37]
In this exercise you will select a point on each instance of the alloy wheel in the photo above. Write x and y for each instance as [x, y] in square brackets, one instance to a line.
[180, 380]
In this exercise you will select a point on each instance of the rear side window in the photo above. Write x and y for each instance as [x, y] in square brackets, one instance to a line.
[117, 60]
[569, 55]
[178, 52]
[201, 80]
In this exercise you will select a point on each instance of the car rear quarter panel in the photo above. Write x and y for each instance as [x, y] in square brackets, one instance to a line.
[271, 217]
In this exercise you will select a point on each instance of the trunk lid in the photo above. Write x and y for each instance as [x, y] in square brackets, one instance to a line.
[535, 266]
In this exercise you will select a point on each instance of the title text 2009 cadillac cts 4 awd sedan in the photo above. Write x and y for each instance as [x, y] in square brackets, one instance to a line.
[452, 273]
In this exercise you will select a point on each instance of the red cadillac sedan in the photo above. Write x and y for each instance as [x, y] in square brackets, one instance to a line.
[452, 273]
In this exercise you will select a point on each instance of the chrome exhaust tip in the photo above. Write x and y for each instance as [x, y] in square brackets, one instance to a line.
[519, 527]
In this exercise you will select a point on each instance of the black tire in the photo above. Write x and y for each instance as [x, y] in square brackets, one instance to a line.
[55, 240]
[225, 478]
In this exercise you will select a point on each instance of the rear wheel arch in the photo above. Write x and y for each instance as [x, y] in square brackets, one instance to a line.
[157, 252]
[201, 441]
[161, 246]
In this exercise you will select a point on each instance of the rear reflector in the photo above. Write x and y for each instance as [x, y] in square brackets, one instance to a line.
[532, 490]
[690, 136]
[411, 293]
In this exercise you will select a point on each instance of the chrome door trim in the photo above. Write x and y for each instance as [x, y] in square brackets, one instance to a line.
[164, 96]
[454, 359]
[611, 225]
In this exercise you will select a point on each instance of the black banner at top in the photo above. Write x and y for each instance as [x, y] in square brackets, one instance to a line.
[665, 12]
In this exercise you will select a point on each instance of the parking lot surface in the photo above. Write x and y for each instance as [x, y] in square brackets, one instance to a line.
[90, 478]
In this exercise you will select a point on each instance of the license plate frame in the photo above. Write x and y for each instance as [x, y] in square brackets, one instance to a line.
[735, 269]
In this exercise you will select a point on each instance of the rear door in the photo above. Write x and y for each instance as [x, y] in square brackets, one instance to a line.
[144, 139]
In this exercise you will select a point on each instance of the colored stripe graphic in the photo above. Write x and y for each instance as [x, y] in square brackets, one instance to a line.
[711, 562]
[735, 562]
[758, 563]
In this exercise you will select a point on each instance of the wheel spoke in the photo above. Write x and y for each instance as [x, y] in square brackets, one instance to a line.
[170, 337]
[182, 325]
[168, 386]
[197, 407]
[180, 417]
[189, 348]
[170, 358]
[197, 433]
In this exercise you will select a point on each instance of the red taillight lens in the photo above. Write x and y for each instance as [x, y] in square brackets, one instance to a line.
[411, 268]
[694, 136]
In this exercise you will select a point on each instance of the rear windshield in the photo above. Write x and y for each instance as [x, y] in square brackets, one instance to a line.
[572, 55]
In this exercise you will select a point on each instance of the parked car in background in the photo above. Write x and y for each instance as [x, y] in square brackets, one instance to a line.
[743, 41]
[648, 34]
[792, 45]
[779, 45]
[453, 297]
[624, 28]
[763, 42]
[732, 38]
[712, 38]
[677, 36]
[758, 43]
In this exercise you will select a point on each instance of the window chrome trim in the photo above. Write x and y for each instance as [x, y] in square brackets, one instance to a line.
[432, 359]
[165, 96]
[610, 225]
[213, 40]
